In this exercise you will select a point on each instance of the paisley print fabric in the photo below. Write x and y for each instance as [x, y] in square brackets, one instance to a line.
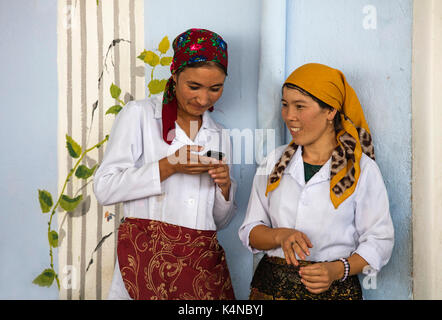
[160, 261]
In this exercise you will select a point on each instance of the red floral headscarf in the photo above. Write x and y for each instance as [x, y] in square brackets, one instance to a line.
[191, 46]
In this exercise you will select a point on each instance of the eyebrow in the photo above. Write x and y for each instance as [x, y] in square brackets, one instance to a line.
[295, 101]
[199, 84]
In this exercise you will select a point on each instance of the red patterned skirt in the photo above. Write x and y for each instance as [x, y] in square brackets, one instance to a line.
[160, 261]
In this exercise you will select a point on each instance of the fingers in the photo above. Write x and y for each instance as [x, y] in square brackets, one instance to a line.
[193, 148]
[315, 287]
[220, 174]
[316, 278]
[307, 240]
[296, 243]
[187, 155]
[208, 160]
[312, 270]
[290, 256]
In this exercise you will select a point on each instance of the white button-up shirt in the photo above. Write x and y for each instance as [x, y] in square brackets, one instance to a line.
[130, 172]
[361, 224]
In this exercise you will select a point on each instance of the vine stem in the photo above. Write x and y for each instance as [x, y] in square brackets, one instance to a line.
[59, 198]
[151, 73]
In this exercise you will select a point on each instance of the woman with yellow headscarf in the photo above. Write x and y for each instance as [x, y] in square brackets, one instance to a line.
[318, 208]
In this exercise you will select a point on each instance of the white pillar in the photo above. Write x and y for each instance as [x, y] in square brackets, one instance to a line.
[271, 78]
[427, 149]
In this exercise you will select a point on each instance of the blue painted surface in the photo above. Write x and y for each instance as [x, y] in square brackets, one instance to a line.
[28, 131]
[377, 63]
[238, 22]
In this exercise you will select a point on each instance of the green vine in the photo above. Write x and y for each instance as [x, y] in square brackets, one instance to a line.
[80, 171]
[156, 86]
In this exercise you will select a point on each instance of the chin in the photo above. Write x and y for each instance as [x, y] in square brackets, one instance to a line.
[197, 111]
[297, 140]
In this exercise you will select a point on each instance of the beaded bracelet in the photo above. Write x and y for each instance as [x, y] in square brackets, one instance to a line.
[346, 269]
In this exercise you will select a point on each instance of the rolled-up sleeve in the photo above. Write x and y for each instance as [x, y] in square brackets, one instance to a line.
[224, 210]
[257, 209]
[372, 218]
[122, 176]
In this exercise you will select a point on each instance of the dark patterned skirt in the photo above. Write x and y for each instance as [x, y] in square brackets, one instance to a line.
[274, 279]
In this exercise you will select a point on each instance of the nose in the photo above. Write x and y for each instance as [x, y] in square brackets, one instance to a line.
[292, 113]
[203, 98]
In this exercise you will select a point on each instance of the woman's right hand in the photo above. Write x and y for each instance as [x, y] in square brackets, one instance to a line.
[185, 161]
[293, 241]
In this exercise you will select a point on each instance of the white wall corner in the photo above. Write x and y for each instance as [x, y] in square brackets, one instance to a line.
[427, 149]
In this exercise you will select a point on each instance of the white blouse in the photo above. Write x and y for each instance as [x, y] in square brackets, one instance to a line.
[361, 224]
[130, 171]
[130, 174]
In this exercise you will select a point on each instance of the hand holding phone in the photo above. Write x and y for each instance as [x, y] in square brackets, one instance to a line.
[214, 154]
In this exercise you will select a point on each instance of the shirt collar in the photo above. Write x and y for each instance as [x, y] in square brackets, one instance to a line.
[208, 122]
[296, 169]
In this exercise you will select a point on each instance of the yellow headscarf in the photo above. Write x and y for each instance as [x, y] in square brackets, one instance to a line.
[330, 86]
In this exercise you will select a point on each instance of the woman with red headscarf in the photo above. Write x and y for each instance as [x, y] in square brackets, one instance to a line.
[174, 197]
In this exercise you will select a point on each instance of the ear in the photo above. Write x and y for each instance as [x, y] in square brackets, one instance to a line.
[331, 114]
[174, 77]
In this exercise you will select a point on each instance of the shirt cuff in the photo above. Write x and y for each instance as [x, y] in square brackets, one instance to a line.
[244, 234]
[223, 210]
[371, 256]
[220, 201]
[152, 176]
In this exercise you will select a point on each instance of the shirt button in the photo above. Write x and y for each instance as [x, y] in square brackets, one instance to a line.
[303, 201]
[191, 201]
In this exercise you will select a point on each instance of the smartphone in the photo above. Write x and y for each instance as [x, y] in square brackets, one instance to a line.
[214, 154]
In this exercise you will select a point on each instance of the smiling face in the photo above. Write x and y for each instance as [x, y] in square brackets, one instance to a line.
[197, 89]
[308, 123]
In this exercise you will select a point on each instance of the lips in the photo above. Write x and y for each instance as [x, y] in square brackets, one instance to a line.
[198, 106]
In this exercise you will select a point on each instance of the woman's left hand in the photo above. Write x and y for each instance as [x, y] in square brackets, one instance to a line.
[318, 277]
[221, 177]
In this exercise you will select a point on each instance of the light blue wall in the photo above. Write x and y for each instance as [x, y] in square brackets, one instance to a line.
[377, 63]
[28, 131]
[238, 22]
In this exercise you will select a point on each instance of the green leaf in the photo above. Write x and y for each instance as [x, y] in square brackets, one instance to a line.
[45, 199]
[84, 172]
[69, 204]
[53, 239]
[166, 61]
[45, 279]
[142, 55]
[157, 86]
[151, 58]
[73, 147]
[114, 109]
[115, 91]
[164, 45]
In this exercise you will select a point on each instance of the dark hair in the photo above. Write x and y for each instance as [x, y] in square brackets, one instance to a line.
[202, 64]
[322, 104]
